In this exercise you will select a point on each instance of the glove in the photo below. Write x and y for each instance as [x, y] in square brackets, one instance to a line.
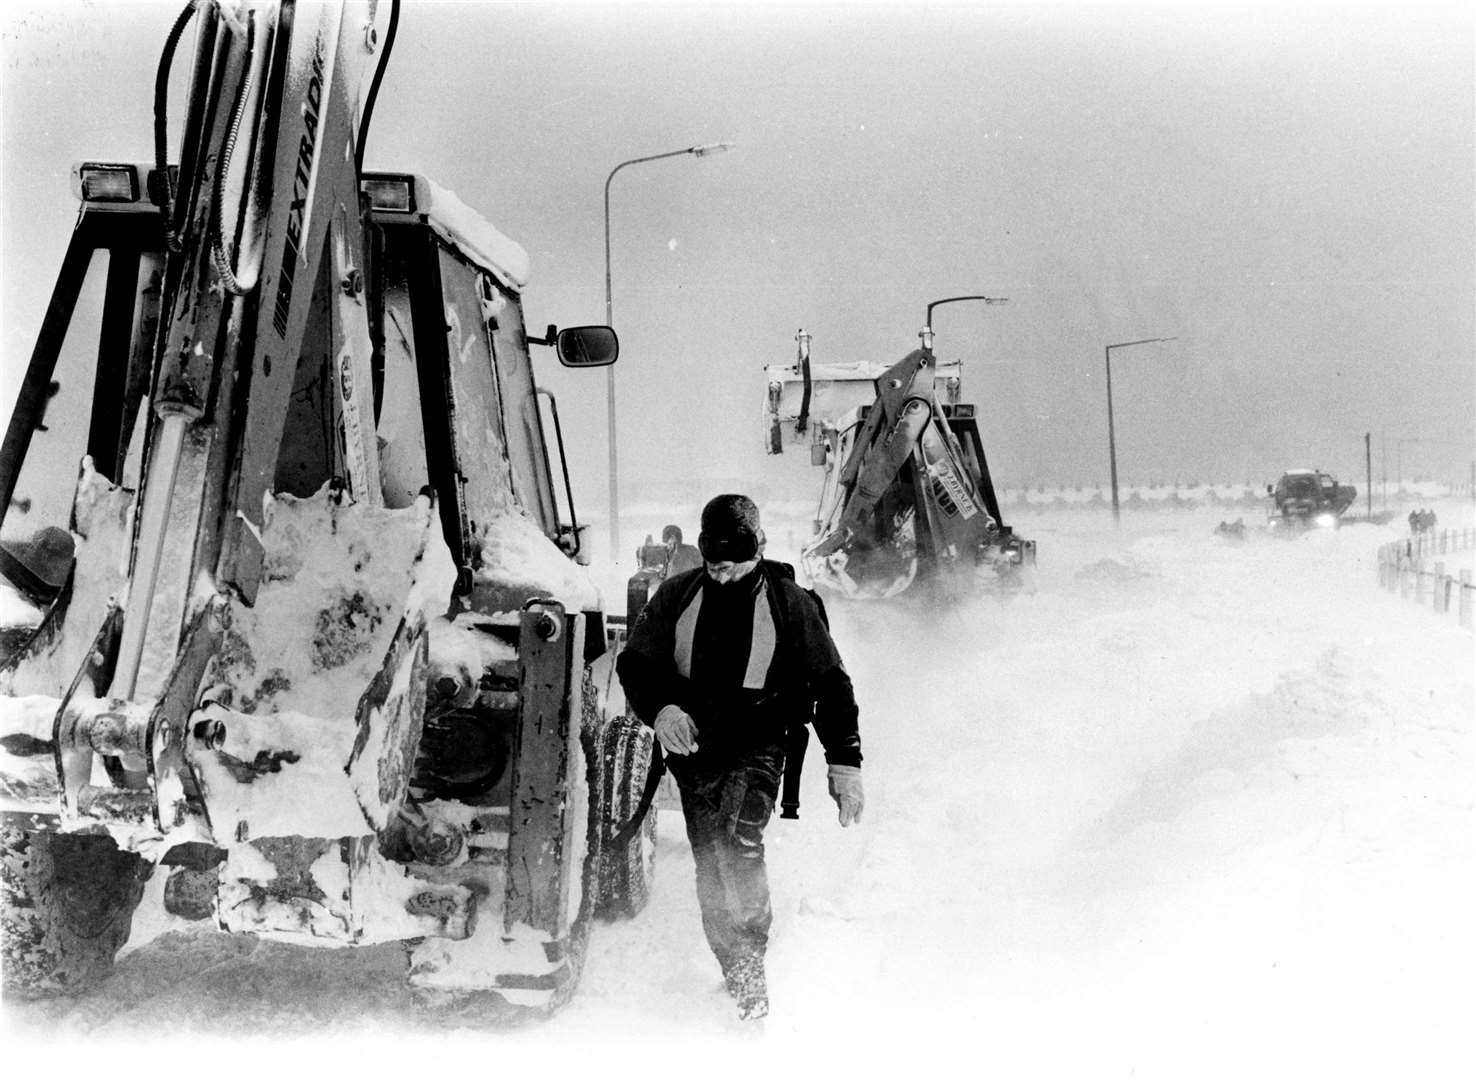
[845, 789]
[676, 730]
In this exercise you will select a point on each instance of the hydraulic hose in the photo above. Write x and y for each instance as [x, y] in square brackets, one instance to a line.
[236, 286]
[161, 122]
[389, 43]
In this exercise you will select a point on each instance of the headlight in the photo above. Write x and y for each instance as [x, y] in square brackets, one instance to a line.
[1325, 521]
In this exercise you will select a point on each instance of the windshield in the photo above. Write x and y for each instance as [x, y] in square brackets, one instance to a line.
[1297, 487]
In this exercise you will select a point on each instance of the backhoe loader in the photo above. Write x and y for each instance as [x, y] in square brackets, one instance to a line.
[314, 642]
[907, 495]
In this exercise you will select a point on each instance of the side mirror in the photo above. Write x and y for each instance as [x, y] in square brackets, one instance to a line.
[587, 346]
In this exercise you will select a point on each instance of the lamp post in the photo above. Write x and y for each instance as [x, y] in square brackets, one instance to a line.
[694, 151]
[926, 333]
[1111, 428]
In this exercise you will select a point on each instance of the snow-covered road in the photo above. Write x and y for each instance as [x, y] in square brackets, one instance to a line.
[1190, 807]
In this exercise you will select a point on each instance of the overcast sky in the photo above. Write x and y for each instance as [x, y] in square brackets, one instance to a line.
[1290, 195]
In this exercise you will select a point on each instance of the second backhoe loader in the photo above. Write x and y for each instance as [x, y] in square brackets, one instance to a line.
[907, 496]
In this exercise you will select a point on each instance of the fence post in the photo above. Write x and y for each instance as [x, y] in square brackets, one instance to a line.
[1463, 605]
[1437, 586]
[1405, 563]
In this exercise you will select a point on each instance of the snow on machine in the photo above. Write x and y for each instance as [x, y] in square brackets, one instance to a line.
[1308, 499]
[312, 637]
[906, 495]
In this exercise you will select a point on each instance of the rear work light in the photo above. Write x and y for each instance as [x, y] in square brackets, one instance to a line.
[390, 192]
[959, 412]
[108, 183]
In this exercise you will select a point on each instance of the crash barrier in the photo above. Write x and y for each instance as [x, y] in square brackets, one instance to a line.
[1412, 567]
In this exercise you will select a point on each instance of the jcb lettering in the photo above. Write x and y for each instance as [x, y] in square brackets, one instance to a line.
[307, 147]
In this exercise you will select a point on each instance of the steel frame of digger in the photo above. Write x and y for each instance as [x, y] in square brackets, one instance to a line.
[208, 378]
[910, 451]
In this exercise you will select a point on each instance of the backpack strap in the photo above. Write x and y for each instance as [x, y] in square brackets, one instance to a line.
[797, 738]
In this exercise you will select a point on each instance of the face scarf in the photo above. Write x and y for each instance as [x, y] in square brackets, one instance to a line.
[732, 573]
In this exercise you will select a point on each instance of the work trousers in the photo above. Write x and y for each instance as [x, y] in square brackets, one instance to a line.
[726, 810]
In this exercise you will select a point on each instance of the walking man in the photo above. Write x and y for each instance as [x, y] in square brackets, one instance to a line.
[721, 662]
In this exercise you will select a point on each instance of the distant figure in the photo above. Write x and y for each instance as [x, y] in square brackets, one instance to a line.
[652, 567]
[1429, 520]
[1414, 521]
[680, 556]
[652, 557]
[1234, 530]
[1421, 521]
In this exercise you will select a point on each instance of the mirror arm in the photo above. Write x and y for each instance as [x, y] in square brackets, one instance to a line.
[550, 335]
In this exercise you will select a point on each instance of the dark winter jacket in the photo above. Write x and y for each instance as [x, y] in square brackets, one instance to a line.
[745, 660]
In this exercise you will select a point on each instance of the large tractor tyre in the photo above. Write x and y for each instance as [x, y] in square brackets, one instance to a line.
[626, 871]
[66, 904]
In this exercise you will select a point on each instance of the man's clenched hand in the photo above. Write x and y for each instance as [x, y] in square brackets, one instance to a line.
[676, 730]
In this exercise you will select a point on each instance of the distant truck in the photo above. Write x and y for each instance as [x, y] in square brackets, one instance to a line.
[1308, 498]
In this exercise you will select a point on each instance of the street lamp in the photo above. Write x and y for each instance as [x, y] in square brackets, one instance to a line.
[695, 151]
[1111, 429]
[926, 333]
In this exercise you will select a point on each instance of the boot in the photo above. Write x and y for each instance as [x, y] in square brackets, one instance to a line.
[745, 981]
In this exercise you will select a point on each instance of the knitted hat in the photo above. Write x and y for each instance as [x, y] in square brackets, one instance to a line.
[730, 530]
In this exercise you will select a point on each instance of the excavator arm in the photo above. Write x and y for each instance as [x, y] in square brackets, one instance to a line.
[890, 437]
[908, 496]
[256, 255]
